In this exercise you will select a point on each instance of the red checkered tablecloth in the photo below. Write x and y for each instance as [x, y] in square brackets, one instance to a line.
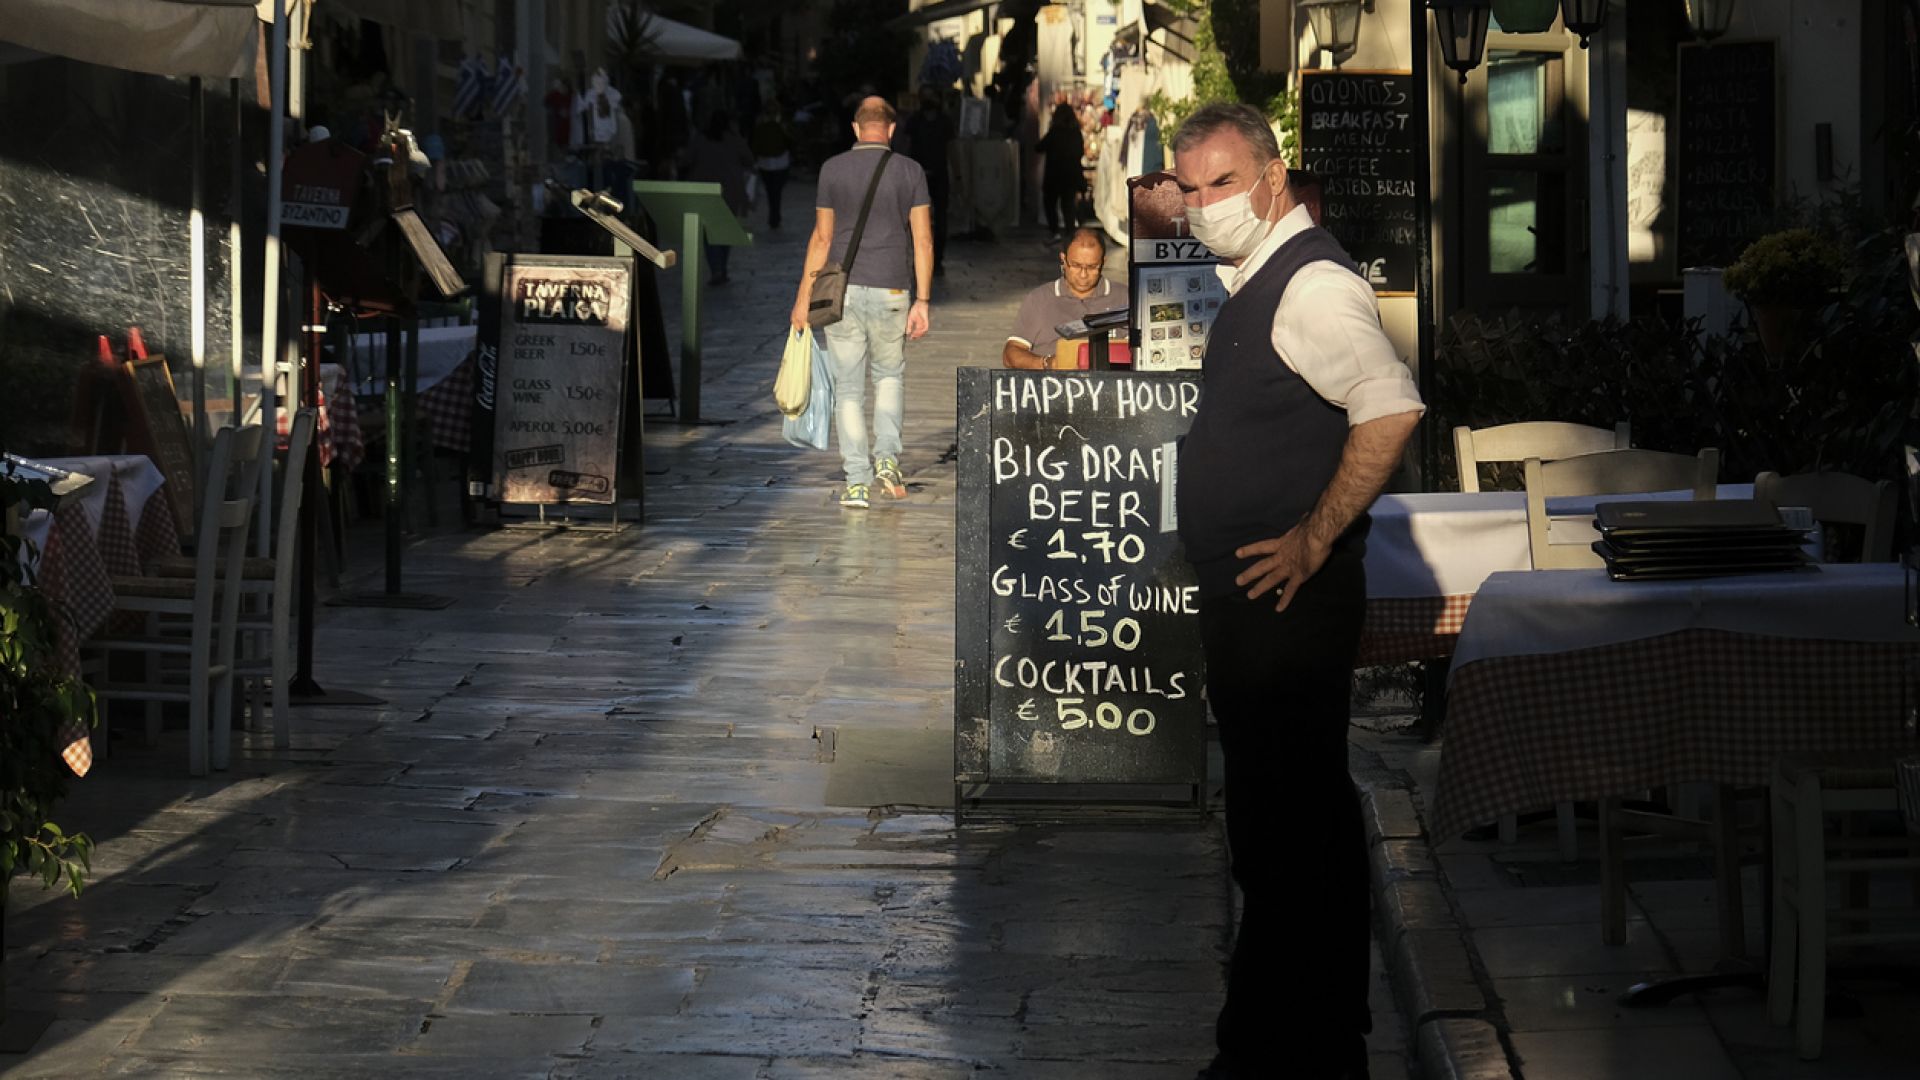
[77, 563]
[1524, 732]
[1400, 630]
[338, 435]
[444, 409]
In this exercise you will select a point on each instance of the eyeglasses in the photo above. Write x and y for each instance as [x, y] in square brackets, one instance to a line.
[1085, 268]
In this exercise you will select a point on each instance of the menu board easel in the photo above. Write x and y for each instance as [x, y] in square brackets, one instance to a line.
[1077, 635]
[1726, 151]
[1358, 139]
[559, 380]
[159, 430]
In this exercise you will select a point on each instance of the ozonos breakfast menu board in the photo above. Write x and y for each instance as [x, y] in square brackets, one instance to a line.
[1077, 638]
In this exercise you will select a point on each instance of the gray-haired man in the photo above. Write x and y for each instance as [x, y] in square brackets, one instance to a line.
[1306, 411]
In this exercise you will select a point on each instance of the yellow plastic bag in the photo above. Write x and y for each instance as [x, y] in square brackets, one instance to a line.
[794, 385]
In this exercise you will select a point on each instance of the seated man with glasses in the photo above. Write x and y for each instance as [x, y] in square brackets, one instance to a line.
[1080, 291]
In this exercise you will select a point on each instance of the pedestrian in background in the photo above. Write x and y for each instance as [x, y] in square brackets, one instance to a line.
[772, 145]
[1307, 412]
[1061, 179]
[925, 138]
[719, 155]
[888, 287]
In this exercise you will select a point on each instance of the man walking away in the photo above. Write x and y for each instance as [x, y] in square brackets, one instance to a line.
[887, 301]
[1306, 411]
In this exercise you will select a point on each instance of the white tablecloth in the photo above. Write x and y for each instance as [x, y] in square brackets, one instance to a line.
[138, 476]
[1529, 613]
[442, 348]
[1446, 543]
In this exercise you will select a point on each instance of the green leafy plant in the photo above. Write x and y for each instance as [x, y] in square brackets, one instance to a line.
[1844, 402]
[1796, 267]
[36, 701]
[1223, 74]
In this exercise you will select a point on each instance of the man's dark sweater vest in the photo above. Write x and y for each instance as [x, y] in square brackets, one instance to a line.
[1263, 446]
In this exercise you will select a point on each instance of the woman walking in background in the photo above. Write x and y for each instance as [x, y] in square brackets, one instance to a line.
[719, 155]
[1062, 179]
[772, 145]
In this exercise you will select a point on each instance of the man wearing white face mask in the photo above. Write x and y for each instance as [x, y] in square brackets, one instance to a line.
[1305, 414]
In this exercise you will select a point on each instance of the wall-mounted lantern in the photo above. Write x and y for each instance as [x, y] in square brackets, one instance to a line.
[1708, 19]
[1462, 25]
[1336, 23]
[1583, 17]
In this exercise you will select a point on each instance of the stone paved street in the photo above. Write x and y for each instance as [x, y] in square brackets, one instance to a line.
[671, 803]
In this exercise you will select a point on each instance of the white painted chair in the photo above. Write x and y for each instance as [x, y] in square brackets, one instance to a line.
[265, 646]
[1610, 472]
[209, 601]
[1807, 790]
[1548, 440]
[1837, 498]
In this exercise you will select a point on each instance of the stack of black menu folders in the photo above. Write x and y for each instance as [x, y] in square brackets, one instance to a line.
[1659, 540]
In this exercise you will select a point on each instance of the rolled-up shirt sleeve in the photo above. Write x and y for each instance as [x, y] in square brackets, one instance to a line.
[1327, 328]
[1030, 326]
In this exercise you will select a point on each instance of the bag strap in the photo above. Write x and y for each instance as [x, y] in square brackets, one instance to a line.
[860, 225]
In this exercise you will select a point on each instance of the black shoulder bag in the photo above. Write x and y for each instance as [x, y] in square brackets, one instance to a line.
[827, 299]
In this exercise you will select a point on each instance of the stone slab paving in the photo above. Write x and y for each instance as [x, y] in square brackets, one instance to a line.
[661, 804]
[1497, 954]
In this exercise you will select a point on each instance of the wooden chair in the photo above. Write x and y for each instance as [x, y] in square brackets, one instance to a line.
[265, 645]
[1805, 791]
[1548, 440]
[1837, 498]
[209, 601]
[1611, 472]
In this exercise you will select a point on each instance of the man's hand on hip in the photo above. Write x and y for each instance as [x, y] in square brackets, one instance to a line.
[918, 321]
[1287, 562]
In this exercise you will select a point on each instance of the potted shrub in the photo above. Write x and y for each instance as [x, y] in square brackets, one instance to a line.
[37, 699]
[1784, 277]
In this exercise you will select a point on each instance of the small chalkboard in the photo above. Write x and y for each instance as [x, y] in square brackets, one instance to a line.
[159, 430]
[1076, 637]
[1726, 149]
[1358, 138]
[559, 378]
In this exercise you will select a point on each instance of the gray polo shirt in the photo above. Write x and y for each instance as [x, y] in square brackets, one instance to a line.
[1050, 305]
[885, 258]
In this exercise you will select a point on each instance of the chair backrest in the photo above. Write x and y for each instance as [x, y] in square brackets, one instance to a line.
[222, 537]
[1838, 498]
[293, 489]
[1548, 440]
[1610, 472]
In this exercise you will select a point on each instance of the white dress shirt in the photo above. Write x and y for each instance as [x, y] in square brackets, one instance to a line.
[1327, 329]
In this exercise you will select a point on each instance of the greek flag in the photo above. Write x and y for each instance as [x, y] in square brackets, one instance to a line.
[470, 88]
[509, 86]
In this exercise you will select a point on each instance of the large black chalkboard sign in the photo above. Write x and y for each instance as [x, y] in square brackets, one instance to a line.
[1357, 135]
[1077, 647]
[1726, 154]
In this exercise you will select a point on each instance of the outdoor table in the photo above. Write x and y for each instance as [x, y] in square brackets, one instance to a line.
[1429, 553]
[445, 397]
[338, 436]
[1568, 686]
[110, 528]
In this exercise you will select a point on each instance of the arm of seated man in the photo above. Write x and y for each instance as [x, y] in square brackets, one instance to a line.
[1018, 353]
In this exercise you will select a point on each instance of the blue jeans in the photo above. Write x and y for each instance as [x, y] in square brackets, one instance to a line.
[871, 336]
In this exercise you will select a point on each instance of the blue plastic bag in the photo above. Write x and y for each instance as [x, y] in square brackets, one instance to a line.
[813, 428]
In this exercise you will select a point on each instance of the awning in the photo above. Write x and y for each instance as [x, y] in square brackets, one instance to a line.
[678, 43]
[944, 9]
[215, 39]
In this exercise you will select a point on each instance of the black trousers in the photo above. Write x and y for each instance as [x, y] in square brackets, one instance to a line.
[1279, 685]
[939, 194]
[773, 180]
[1062, 207]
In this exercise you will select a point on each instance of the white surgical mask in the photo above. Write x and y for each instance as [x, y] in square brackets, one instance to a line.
[1230, 228]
